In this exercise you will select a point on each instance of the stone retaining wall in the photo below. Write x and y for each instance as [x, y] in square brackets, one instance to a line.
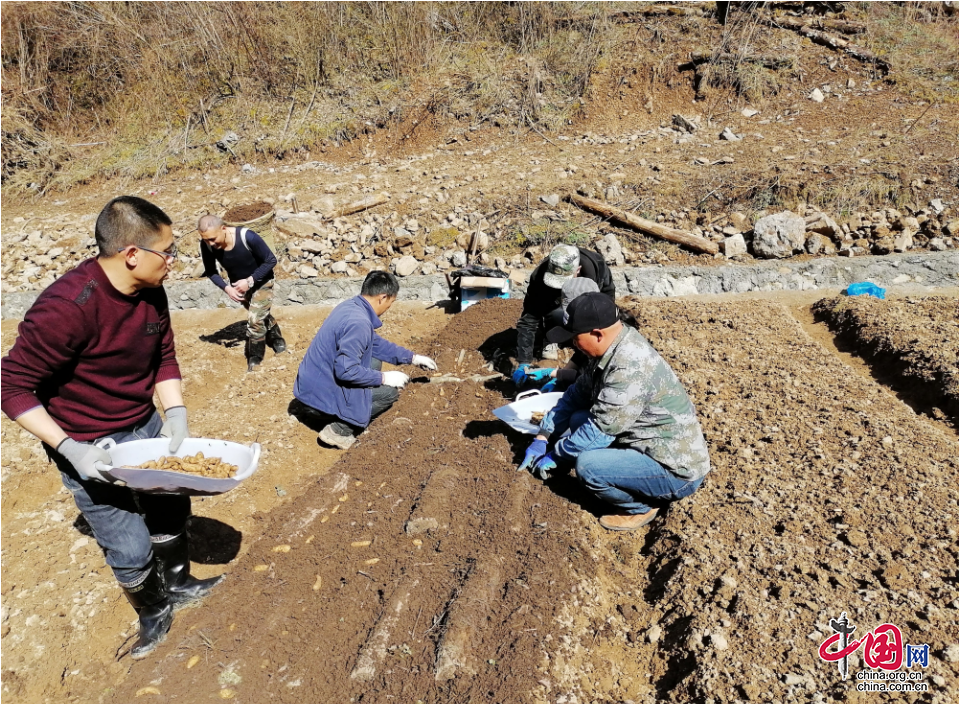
[936, 269]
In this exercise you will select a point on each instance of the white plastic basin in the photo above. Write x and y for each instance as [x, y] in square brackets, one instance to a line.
[125, 456]
[517, 414]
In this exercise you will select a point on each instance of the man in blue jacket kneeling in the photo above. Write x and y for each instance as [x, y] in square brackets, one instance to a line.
[340, 379]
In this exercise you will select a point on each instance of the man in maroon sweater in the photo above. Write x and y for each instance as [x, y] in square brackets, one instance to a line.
[90, 353]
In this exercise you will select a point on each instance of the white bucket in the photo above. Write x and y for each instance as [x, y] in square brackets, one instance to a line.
[517, 414]
[127, 455]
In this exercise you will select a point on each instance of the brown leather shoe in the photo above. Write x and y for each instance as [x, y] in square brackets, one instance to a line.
[628, 521]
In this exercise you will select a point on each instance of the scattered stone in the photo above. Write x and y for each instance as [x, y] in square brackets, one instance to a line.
[733, 246]
[814, 243]
[685, 123]
[719, 641]
[340, 268]
[937, 244]
[653, 633]
[406, 266]
[729, 135]
[459, 259]
[308, 272]
[824, 225]
[816, 95]
[903, 241]
[610, 248]
[416, 526]
[300, 226]
[749, 112]
[779, 236]
[937, 206]
[611, 193]
[791, 679]
[518, 277]
[312, 246]
[553, 200]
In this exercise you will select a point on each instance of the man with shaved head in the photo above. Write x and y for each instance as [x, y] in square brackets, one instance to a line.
[248, 263]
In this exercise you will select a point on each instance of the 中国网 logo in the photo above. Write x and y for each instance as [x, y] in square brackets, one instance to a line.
[884, 653]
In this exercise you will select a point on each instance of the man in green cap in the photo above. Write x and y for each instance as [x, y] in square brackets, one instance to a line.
[634, 436]
[541, 305]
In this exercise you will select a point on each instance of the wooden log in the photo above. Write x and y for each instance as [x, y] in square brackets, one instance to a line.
[357, 206]
[806, 28]
[648, 227]
[835, 25]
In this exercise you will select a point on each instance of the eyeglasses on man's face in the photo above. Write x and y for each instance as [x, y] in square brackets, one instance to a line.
[169, 255]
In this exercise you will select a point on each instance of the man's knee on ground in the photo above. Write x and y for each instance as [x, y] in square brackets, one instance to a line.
[589, 468]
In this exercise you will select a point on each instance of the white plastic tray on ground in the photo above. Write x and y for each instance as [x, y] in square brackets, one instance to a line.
[517, 414]
[127, 455]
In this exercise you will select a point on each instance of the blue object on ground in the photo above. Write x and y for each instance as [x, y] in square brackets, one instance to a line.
[866, 288]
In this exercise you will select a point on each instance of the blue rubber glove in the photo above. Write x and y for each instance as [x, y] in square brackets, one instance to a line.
[544, 466]
[549, 386]
[539, 374]
[537, 449]
[520, 375]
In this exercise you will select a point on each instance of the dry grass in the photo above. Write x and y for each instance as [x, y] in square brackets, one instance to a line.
[131, 90]
[83, 82]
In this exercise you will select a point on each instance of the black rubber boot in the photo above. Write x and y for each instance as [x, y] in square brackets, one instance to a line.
[155, 610]
[275, 339]
[173, 558]
[255, 351]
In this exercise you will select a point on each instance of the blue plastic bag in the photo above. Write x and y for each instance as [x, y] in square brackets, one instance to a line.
[866, 288]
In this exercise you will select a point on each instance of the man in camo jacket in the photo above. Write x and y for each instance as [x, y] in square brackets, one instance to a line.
[634, 435]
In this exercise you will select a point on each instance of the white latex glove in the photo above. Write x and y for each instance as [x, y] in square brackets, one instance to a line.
[424, 362]
[395, 379]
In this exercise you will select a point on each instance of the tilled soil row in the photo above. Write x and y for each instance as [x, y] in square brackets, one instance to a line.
[420, 568]
[827, 495]
[911, 343]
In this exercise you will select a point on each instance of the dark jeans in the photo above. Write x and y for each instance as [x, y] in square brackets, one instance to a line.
[383, 398]
[628, 479]
[531, 330]
[125, 522]
[631, 480]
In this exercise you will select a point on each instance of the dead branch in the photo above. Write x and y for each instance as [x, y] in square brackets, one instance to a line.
[357, 206]
[805, 27]
[772, 62]
[648, 227]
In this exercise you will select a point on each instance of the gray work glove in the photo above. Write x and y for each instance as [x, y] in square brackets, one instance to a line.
[175, 427]
[85, 458]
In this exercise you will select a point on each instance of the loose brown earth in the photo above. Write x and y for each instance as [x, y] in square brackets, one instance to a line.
[828, 494]
[62, 613]
[913, 339]
[245, 213]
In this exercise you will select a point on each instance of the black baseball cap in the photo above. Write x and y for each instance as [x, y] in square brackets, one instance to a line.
[591, 311]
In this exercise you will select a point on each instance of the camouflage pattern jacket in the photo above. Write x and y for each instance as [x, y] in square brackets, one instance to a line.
[634, 396]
